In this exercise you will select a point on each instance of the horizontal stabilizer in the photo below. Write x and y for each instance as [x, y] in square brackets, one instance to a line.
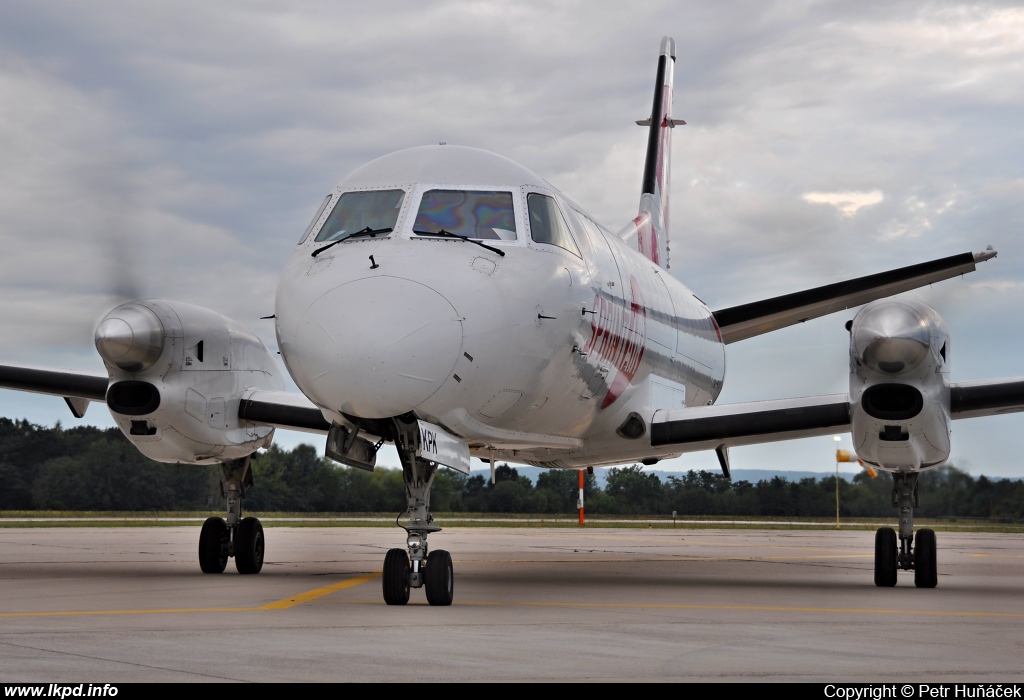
[749, 320]
[668, 122]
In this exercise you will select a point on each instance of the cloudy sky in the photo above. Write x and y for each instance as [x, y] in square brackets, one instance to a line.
[179, 149]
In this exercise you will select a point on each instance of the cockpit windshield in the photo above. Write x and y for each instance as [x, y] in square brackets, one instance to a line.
[474, 214]
[374, 212]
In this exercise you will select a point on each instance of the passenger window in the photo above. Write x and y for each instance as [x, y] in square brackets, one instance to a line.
[473, 214]
[547, 224]
[374, 212]
[319, 213]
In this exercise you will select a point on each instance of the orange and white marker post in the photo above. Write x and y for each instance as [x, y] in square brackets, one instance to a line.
[847, 456]
[580, 501]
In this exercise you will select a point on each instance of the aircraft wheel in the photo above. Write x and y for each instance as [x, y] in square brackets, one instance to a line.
[213, 550]
[885, 557]
[396, 577]
[249, 546]
[926, 571]
[440, 575]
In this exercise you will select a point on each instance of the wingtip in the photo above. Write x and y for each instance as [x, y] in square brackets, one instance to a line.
[986, 254]
[668, 46]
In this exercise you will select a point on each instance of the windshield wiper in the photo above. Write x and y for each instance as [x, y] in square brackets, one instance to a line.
[449, 234]
[371, 232]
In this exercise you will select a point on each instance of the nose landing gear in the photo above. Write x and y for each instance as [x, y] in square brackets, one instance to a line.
[919, 557]
[414, 567]
[238, 537]
[404, 571]
[440, 575]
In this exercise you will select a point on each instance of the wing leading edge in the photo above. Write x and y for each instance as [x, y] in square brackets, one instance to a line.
[280, 409]
[697, 428]
[988, 397]
[735, 425]
[749, 320]
[58, 382]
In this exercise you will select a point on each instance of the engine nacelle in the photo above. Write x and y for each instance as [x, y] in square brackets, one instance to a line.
[177, 374]
[899, 388]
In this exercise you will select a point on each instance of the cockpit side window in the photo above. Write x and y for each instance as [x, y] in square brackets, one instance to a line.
[547, 224]
[370, 212]
[579, 233]
[319, 213]
[482, 215]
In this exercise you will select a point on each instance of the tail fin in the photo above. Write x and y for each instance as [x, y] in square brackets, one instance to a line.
[651, 224]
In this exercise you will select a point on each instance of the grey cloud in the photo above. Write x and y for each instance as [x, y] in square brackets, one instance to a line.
[198, 139]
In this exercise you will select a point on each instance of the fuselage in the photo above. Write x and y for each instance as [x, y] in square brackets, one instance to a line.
[557, 352]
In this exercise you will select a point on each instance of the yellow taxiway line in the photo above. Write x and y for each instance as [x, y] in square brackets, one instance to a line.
[316, 593]
[307, 596]
[282, 604]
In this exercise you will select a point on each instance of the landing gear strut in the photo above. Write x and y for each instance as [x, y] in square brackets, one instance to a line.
[415, 567]
[238, 537]
[919, 557]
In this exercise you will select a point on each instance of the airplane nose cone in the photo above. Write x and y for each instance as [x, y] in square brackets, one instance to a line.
[130, 337]
[376, 347]
[891, 337]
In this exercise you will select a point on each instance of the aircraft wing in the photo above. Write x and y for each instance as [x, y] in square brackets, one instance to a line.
[280, 409]
[748, 320]
[59, 382]
[734, 425]
[986, 398]
[77, 388]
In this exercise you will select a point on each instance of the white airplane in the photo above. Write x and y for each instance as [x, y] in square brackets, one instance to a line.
[449, 301]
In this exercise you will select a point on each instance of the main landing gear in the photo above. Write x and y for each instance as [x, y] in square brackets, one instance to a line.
[919, 557]
[414, 567]
[238, 537]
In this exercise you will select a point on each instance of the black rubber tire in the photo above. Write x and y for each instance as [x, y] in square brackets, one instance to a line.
[926, 570]
[886, 556]
[395, 577]
[213, 546]
[440, 578]
[249, 546]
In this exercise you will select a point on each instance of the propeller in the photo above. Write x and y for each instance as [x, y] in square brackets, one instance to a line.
[130, 335]
[112, 196]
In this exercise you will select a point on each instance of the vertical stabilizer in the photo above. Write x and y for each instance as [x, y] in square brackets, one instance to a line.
[651, 223]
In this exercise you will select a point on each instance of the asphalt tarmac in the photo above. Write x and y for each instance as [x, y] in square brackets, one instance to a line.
[109, 605]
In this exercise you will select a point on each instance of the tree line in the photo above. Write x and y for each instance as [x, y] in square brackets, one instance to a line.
[88, 468]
